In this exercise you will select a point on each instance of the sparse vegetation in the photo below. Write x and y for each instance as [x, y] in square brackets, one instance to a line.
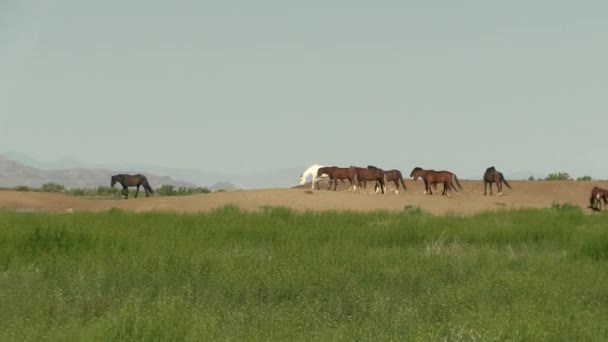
[584, 178]
[558, 176]
[169, 190]
[524, 275]
[105, 191]
[52, 187]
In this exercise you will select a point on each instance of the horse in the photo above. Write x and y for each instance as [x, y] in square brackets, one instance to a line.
[131, 180]
[371, 173]
[597, 196]
[337, 173]
[432, 177]
[396, 177]
[493, 176]
[312, 171]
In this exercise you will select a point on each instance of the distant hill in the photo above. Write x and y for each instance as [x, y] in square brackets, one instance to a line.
[14, 173]
[275, 178]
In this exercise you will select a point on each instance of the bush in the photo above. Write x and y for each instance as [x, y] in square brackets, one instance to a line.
[77, 192]
[22, 188]
[169, 190]
[559, 176]
[166, 190]
[107, 191]
[52, 187]
[584, 178]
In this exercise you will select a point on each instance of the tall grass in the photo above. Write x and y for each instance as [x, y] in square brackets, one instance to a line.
[277, 274]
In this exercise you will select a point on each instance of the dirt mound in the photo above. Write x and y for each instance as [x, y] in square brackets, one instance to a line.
[525, 194]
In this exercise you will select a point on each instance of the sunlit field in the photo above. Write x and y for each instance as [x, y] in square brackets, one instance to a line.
[520, 275]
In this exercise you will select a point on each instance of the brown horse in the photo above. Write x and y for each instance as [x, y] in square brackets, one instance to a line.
[432, 177]
[371, 173]
[597, 196]
[131, 180]
[337, 173]
[396, 177]
[493, 176]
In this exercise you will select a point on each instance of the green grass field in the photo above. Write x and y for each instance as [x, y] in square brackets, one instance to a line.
[525, 275]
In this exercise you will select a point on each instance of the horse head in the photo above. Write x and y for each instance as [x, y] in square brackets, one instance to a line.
[114, 180]
[414, 172]
[302, 180]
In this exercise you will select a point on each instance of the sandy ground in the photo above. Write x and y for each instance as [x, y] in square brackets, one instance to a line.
[525, 194]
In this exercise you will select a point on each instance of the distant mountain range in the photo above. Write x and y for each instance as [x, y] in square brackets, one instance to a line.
[14, 173]
[19, 169]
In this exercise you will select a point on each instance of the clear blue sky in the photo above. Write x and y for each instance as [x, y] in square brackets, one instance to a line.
[256, 85]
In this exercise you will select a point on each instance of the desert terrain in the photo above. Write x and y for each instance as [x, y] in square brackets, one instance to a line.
[524, 194]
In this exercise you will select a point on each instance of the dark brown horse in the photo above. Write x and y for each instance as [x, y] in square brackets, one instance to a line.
[597, 196]
[432, 177]
[131, 180]
[337, 173]
[493, 176]
[371, 173]
[396, 177]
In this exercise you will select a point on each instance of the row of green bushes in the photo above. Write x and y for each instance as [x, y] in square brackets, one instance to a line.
[105, 191]
[561, 176]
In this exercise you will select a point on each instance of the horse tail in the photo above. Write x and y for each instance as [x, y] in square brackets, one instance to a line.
[505, 181]
[402, 183]
[457, 182]
[146, 185]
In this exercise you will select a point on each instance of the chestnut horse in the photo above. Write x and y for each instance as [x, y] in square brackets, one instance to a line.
[395, 176]
[131, 180]
[432, 177]
[371, 173]
[337, 173]
[597, 196]
[493, 176]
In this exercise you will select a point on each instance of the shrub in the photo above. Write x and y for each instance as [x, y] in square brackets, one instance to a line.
[22, 188]
[166, 190]
[558, 176]
[52, 187]
[77, 192]
[584, 178]
[107, 191]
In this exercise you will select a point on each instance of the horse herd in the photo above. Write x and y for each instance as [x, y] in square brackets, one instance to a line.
[358, 177]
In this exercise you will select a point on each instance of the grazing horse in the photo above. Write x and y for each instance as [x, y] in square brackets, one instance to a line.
[597, 196]
[337, 173]
[312, 172]
[395, 176]
[432, 177]
[131, 180]
[371, 173]
[493, 176]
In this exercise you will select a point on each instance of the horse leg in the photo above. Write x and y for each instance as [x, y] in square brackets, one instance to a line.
[314, 179]
[499, 188]
[137, 191]
[485, 188]
[125, 191]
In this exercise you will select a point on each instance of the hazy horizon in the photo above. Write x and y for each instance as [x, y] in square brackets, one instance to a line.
[247, 87]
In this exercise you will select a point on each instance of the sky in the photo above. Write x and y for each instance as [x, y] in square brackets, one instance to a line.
[249, 86]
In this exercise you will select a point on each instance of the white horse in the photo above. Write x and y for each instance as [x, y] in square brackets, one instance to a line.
[312, 171]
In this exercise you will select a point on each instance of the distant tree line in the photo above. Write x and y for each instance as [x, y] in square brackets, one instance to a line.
[562, 176]
[106, 191]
